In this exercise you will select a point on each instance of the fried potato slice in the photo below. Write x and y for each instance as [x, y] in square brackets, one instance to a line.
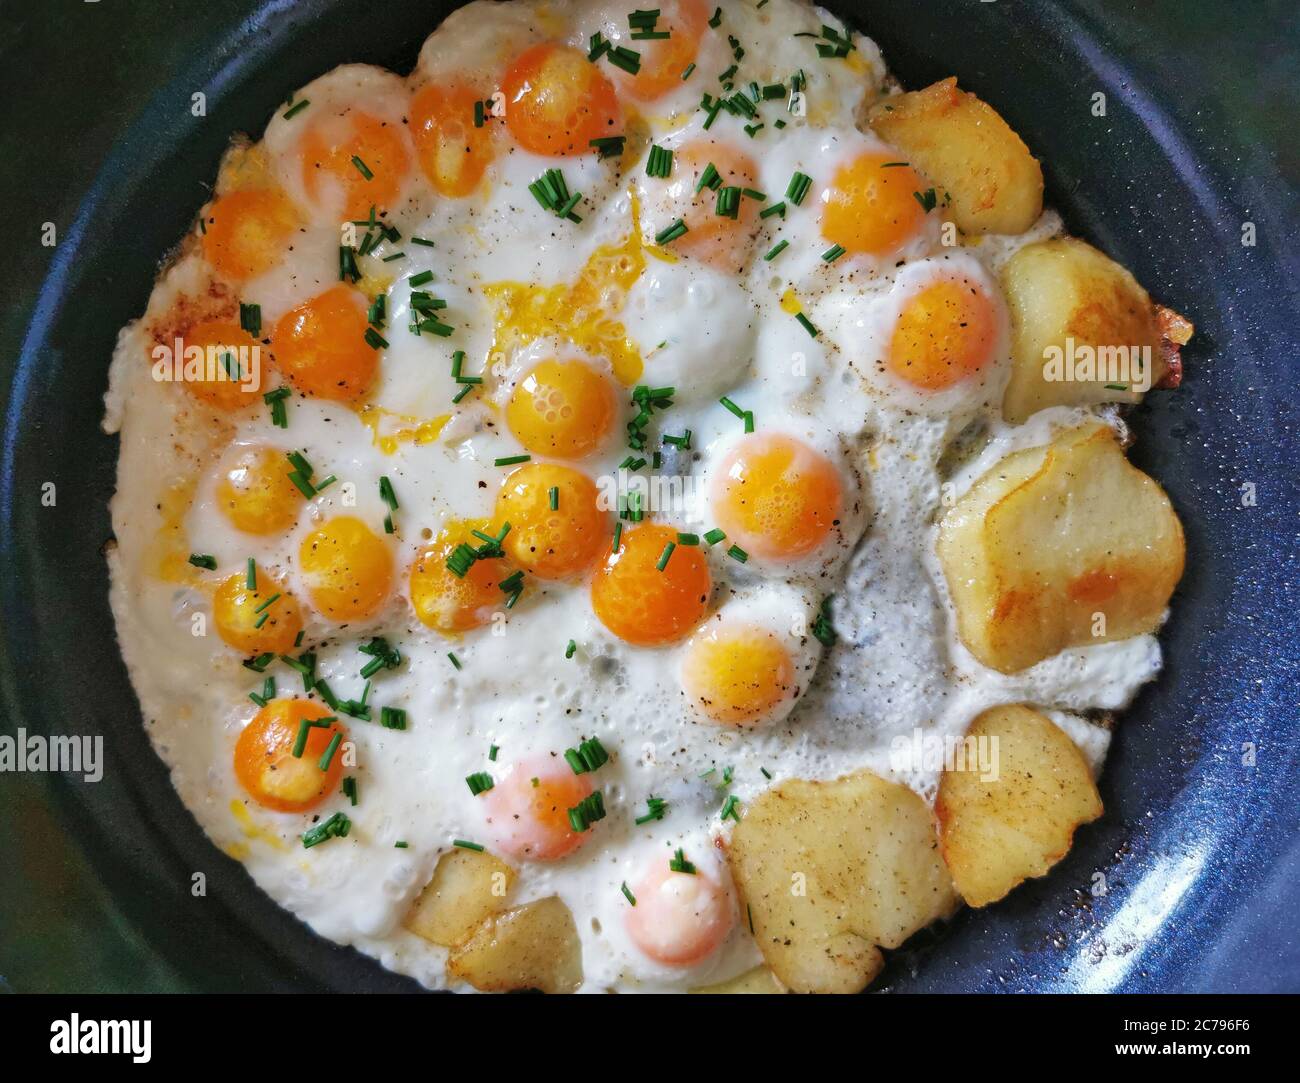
[993, 183]
[530, 947]
[467, 887]
[1058, 546]
[831, 872]
[996, 833]
[757, 981]
[1082, 330]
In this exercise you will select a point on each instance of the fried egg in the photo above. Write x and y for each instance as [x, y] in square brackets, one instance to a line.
[607, 377]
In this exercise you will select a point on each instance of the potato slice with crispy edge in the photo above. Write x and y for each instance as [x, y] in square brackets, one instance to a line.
[467, 886]
[993, 183]
[1059, 546]
[534, 946]
[1083, 330]
[831, 872]
[997, 832]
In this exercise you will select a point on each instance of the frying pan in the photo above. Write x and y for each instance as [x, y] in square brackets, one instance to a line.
[1199, 847]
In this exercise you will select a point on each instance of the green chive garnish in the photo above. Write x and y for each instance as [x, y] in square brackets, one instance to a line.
[204, 560]
[479, 782]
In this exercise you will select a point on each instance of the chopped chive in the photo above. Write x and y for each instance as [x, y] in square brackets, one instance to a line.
[454, 660]
[766, 773]
[570, 649]
[807, 324]
[268, 603]
[590, 755]
[671, 233]
[737, 553]
[798, 187]
[714, 536]
[589, 810]
[250, 319]
[710, 178]
[296, 108]
[823, 631]
[680, 864]
[259, 664]
[728, 205]
[729, 807]
[375, 340]
[350, 789]
[251, 578]
[492, 753]
[627, 893]
[687, 539]
[400, 844]
[618, 534]
[511, 460]
[554, 496]
[422, 242]
[337, 826]
[686, 72]
[420, 279]
[716, 19]
[666, 556]
[833, 253]
[392, 718]
[656, 809]
[775, 208]
[464, 844]
[204, 560]
[330, 749]
[629, 60]
[609, 146]
[928, 199]
[479, 782]
[732, 408]
[660, 162]
[478, 113]
[776, 250]
[362, 168]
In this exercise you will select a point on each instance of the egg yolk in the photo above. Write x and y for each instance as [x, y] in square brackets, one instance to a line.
[562, 408]
[359, 159]
[246, 232]
[873, 207]
[247, 618]
[228, 351]
[716, 239]
[557, 101]
[321, 346]
[265, 764]
[557, 530]
[737, 674]
[450, 603]
[664, 60]
[347, 568]
[528, 810]
[644, 604]
[776, 497]
[944, 334]
[680, 918]
[255, 492]
[453, 153]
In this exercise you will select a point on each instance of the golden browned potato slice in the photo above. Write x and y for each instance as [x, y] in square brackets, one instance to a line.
[1000, 832]
[467, 886]
[758, 980]
[831, 872]
[531, 947]
[961, 143]
[1082, 330]
[1059, 546]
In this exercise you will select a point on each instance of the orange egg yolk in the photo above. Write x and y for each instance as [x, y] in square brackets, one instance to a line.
[776, 497]
[353, 163]
[565, 409]
[680, 918]
[266, 766]
[250, 621]
[944, 334]
[647, 605]
[255, 492]
[453, 153]
[246, 233]
[450, 603]
[716, 239]
[229, 352]
[347, 569]
[321, 346]
[873, 207]
[557, 529]
[557, 101]
[664, 60]
[737, 674]
[528, 810]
